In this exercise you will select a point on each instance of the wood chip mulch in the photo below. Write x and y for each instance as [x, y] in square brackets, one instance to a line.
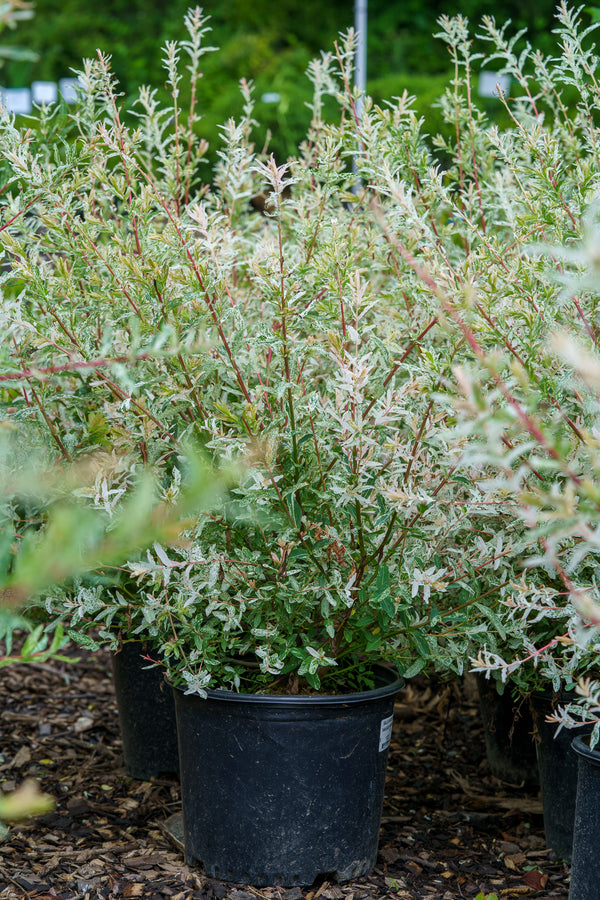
[450, 829]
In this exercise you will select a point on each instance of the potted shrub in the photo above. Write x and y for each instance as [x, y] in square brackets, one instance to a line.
[524, 223]
[146, 310]
[535, 417]
[561, 511]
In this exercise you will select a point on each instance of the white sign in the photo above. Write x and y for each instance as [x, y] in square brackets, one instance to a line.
[67, 88]
[489, 82]
[44, 92]
[17, 100]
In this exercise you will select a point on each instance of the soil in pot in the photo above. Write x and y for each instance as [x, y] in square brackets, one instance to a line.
[146, 714]
[283, 789]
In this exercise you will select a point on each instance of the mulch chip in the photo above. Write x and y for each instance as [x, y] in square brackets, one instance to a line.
[450, 830]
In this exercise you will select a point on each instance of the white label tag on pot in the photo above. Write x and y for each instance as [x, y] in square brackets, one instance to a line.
[385, 733]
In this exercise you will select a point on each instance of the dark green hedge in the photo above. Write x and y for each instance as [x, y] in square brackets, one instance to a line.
[259, 40]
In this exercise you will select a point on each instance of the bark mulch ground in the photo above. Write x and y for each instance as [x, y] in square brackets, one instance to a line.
[450, 829]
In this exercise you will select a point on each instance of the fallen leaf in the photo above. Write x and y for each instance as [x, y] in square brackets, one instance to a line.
[21, 758]
[390, 854]
[333, 893]
[293, 894]
[413, 867]
[535, 879]
[515, 862]
[507, 847]
[135, 889]
[83, 723]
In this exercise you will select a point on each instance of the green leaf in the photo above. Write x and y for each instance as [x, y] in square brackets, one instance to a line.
[83, 639]
[492, 617]
[419, 643]
[295, 510]
[381, 346]
[383, 580]
[417, 666]
[34, 642]
[387, 605]
[462, 479]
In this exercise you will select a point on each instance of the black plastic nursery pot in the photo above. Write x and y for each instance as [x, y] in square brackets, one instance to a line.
[557, 763]
[146, 714]
[585, 867]
[278, 790]
[508, 732]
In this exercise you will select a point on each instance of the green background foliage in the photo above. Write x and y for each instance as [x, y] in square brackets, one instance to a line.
[268, 44]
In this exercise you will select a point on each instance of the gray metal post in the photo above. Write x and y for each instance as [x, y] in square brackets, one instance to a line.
[360, 26]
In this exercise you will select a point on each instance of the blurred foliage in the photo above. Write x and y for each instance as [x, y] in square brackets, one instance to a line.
[50, 535]
[23, 803]
[400, 37]
[12, 12]
[270, 45]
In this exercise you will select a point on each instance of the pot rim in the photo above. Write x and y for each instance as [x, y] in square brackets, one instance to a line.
[394, 683]
[580, 745]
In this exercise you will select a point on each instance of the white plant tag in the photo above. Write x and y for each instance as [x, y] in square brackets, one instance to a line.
[385, 733]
